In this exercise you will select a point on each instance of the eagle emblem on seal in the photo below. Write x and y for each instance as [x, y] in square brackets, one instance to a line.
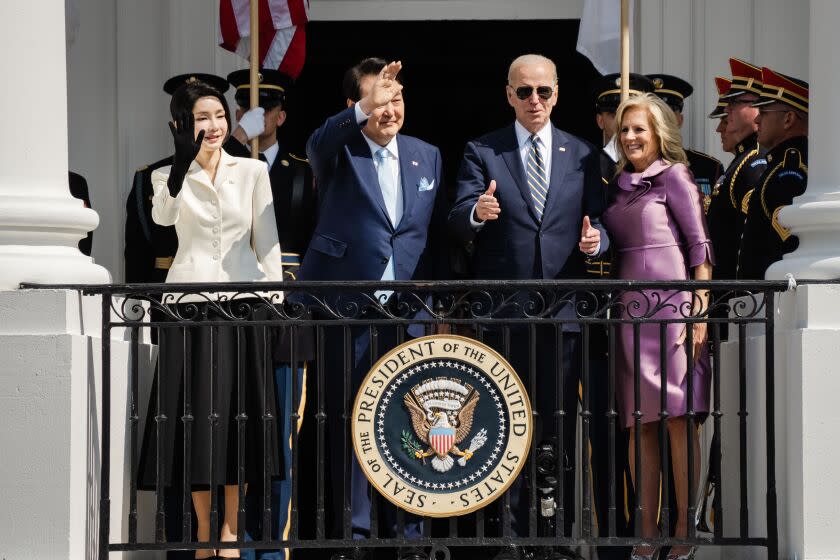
[441, 411]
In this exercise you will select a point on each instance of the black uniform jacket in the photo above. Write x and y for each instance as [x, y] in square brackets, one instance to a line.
[730, 201]
[149, 247]
[765, 239]
[706, 170]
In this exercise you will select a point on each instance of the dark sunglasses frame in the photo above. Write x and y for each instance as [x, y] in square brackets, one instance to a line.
[544, 92]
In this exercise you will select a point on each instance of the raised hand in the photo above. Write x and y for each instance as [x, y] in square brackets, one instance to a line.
[187, 146]
[384, 88]
[187, 143]
[590, 237]
[488, 207]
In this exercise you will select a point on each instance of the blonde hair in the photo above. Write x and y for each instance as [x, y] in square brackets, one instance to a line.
[663, 123]
[532, 59]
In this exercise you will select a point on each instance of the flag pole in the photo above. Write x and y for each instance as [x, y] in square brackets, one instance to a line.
[255, 69]
[625, 49]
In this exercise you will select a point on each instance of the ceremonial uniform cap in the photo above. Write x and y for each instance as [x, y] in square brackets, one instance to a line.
[746, 78]
[778, 88]
[173, 83]
[671, 89]
[607, 90]
[723, 85]
[273, 85]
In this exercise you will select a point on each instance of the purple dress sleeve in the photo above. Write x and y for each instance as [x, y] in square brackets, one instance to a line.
[685, 205]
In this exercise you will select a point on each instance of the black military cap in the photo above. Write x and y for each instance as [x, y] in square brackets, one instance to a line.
[274, 87]
[607, 90]
[671, 90]
[173, 83]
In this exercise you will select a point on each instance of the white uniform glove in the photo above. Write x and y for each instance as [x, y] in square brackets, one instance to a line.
[253, 122]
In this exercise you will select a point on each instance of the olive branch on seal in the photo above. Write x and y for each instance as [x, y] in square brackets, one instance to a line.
[411, 446]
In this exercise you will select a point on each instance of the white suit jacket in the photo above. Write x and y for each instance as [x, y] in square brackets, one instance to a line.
[227, 231]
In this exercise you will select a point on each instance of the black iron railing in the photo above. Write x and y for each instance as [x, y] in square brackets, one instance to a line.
[514, 317]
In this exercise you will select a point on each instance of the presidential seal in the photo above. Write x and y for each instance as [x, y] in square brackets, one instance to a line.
[442, 425]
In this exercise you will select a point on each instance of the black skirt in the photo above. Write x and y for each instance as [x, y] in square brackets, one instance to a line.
[228, 378]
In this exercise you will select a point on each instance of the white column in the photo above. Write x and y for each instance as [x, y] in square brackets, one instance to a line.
[40, 223]
[815, 216]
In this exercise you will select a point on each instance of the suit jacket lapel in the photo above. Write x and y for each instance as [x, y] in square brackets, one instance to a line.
[513, 160]
[409, 178]
[362, 162]
[559, 162]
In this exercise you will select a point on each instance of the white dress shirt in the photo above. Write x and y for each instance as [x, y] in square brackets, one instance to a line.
[226, 228]
[611, 148]
[270, 154]
[393, 199]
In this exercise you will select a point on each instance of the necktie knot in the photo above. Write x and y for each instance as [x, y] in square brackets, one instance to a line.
[382, 154]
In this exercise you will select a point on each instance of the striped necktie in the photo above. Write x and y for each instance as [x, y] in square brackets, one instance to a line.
[537, 180]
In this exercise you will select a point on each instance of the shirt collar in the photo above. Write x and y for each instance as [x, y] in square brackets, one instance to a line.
[522, 134]
[611, 149]
[390, 146]
[270, 154]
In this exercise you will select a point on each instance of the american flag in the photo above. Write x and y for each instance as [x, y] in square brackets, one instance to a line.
[442, 439]
[282, 41]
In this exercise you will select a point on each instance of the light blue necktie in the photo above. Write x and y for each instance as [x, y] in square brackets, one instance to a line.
[391, 196]
[537, 179]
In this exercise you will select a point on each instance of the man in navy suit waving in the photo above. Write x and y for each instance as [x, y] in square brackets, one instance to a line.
[380, 195]
[529, 197]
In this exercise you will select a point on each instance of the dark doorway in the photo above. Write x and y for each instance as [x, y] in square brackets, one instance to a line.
[454, 75]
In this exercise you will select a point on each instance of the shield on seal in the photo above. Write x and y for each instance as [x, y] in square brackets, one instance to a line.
[442, 438]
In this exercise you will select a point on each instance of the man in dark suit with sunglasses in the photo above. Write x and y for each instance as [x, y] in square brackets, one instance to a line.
[529, 197]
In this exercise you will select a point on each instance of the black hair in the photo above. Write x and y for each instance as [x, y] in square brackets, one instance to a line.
[185, 97]
[353, 76]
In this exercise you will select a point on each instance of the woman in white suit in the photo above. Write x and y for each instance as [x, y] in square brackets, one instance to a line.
[218, 378]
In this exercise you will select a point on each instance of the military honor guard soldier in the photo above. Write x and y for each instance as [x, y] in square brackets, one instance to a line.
[731, 193]
[783, 129]
[295, 211]
[149, 247]
[706, 169]
[290, 174]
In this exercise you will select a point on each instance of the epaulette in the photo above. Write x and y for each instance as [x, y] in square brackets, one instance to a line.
[142, 168]
[298, 158]
[791, 165]
[793, 160]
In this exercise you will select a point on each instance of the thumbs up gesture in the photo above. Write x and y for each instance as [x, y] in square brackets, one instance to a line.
[590, 237]
[487, 207]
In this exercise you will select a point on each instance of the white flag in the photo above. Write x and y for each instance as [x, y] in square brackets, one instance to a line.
[599, 38]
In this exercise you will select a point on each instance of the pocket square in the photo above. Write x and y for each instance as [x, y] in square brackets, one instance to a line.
[425, 185]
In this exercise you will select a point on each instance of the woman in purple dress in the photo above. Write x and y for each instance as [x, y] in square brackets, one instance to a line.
[655, 219]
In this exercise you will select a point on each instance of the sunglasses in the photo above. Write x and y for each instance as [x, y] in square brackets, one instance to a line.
[544, 92]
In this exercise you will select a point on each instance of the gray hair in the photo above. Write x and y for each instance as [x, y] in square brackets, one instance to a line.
[532, 59]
